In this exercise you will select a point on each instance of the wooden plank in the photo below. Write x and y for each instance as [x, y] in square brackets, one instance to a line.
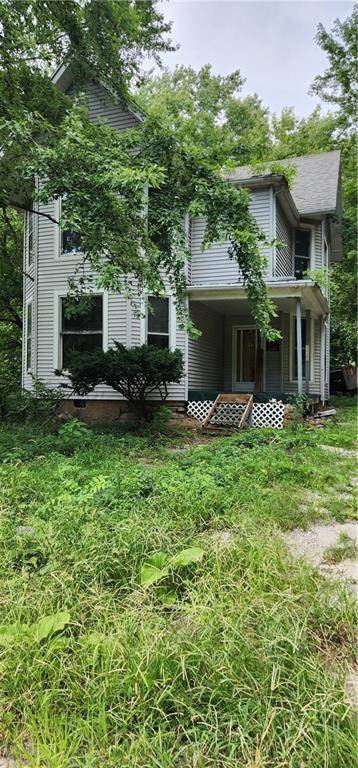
[232, 397]
[246, 412]
[212, 411]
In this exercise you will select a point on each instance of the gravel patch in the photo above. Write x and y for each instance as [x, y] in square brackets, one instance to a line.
[341, 451]
[312, 543]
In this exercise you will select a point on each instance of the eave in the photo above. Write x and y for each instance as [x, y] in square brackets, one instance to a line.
[307, 290]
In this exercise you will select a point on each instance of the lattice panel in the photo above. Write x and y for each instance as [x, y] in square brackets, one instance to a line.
[263, 414]
[228, 413]
[268, 414]
[199, 409]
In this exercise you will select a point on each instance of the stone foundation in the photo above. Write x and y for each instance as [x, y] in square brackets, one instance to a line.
[107, 411]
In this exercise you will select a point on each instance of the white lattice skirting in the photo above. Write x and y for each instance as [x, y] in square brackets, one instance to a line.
[263, 414]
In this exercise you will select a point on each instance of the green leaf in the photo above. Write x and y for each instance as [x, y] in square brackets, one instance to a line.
[9, 634]
[159, 560]
[167, 595]
[150, 574]
[186, 557]
[49, 625]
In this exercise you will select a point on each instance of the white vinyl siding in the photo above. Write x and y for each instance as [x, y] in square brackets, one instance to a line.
[206, 354]
[122, 324]
[284, 266]
[29, 336]
[213, 265]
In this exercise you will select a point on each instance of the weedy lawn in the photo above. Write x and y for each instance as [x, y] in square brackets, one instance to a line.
[236, 658]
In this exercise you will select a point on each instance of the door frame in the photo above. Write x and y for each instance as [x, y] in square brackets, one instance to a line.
[242, 386]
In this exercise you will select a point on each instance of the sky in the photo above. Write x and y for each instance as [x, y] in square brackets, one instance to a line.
[271, 43]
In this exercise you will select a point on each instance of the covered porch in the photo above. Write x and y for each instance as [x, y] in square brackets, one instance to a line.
[232, 356]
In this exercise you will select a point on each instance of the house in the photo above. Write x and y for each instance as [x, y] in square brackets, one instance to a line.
[230, 355]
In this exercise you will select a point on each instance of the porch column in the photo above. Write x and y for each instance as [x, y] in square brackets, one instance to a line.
[299, 346]
[309, 342]
[322, 360]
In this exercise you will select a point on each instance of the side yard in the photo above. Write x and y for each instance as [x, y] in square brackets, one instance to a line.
[114, 652]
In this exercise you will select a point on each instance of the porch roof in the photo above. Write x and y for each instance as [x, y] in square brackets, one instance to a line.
[280, 291]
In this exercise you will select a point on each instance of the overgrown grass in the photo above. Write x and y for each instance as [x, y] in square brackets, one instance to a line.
[232, 674]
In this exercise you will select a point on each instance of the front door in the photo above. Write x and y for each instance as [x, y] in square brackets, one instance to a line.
[244, 357]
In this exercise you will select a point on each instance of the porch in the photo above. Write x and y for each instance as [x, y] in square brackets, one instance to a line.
[231, 355]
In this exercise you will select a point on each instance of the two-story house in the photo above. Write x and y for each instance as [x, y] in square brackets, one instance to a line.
[230, 355]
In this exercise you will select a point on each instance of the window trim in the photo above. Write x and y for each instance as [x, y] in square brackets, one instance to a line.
[57, 346]
[59, 253]
[292, 348]
[172, 320]
[311, 228]
[29, 348]
[30, 217]
[243, 327]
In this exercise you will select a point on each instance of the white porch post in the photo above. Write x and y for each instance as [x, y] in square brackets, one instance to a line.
[322, 361]
[308, 351]
[299, 345]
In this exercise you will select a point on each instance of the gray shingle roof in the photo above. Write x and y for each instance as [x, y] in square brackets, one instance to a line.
[315, 186]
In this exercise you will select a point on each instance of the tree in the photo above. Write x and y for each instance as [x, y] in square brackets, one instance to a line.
[208, 114]
[135, 373]
[339, 83]
[101, 174]
[339, 87]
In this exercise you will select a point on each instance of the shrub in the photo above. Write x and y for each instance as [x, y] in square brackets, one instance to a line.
[38, 404]
[136, 372]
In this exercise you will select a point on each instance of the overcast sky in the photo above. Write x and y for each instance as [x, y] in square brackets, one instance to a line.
[272, 43]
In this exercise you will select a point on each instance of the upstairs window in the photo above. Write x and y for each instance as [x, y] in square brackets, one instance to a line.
[30, 238]
[29, 338]
[302, 252]
[70, 242]
[158, 321]
[83, 332]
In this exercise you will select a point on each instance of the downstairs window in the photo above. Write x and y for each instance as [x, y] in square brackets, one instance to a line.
[158, 321]
[82, 332]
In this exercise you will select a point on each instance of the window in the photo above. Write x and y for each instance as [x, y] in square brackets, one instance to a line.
[158, 321]
[82, 333]
[70, 242]
[29, 337]
[302, 252]
[30, 238]
[246, 354]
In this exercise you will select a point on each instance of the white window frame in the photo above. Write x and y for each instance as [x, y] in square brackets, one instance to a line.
[57, 346]
[242, 384]
[172, 320]
[307, 227]
[59, 254]
[292, 347]
[29, 339]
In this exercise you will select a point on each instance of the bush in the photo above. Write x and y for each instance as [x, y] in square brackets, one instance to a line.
[39, 404]
[136, 372]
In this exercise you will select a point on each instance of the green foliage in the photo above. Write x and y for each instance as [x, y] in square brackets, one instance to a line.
[210, 118]
[101, 173]
[339, 83]
[136, 372]
[43, 629]
[128, 682]
[38, 404]
[162, 568]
